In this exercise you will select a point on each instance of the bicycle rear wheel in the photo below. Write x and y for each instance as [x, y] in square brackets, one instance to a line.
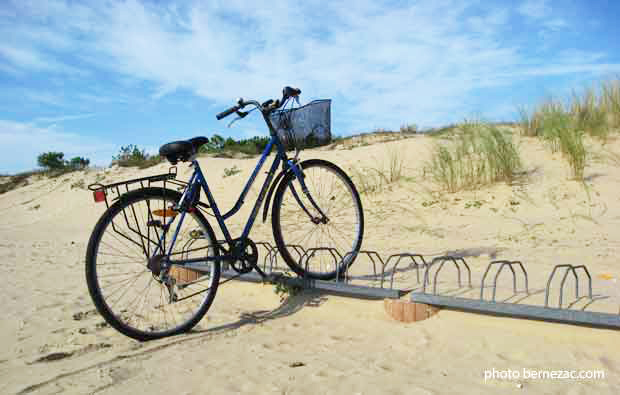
[312, 248]
[129, 286]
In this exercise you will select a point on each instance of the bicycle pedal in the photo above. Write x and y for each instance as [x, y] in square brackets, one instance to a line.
[156, 224]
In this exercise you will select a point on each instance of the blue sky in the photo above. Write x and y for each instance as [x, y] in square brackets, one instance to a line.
[85, 77]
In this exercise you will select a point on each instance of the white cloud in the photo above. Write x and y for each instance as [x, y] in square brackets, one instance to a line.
[23, 142]
[419, 61]
[44, 97]
[535, 9]
[541, 13]
[555, 24]
[63, 118]
[22, 57]
[32, 59]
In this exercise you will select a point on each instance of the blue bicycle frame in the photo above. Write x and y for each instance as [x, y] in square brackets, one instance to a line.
[198, 180]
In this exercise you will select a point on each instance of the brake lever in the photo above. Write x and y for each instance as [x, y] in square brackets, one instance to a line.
[240, 115]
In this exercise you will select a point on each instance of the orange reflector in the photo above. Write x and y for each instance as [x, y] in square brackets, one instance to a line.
[165, 213]
[99, 195]
[605, 276]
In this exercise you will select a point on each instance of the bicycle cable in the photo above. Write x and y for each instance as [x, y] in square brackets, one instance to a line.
[238, 117]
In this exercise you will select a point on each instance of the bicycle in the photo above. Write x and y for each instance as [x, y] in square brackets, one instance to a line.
[154, 250]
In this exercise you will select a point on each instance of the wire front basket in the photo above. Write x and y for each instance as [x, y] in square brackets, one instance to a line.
[304, 127]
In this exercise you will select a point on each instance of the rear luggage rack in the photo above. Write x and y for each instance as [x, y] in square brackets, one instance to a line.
[101, 191]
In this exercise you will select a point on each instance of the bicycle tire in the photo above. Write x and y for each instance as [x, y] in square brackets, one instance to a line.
[110, 316]
[349, 256]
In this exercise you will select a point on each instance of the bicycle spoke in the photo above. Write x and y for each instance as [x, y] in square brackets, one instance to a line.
[332, 240]
[133, 294]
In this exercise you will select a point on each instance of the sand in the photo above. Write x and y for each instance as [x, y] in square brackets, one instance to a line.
[53, 341]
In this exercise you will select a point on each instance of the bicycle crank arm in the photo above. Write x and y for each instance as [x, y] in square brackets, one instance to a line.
[192, 263]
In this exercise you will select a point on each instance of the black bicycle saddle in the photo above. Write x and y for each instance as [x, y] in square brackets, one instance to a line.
[182, 150]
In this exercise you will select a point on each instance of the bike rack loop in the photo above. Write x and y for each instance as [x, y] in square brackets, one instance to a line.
[400, 257]
[569, 268]
[442, 260]
[372, 254]
[504, 263]
[296, 248]
[271, 255]
[310, 252]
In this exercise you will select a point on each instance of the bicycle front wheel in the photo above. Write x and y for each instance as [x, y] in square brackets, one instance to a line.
[127, 279]
[311, 246]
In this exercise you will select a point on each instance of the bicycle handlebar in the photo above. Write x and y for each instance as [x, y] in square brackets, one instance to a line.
[226, 113]
[266, 107]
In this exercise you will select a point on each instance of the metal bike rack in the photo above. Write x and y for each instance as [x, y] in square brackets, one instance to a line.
[272, 255]
[441, 260]
[340, 285]
[503, 264]
[572, 269]
[517, 310]
[379, 282]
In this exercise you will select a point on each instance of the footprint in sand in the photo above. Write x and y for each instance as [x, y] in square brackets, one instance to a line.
[81, 315]
[55, 356]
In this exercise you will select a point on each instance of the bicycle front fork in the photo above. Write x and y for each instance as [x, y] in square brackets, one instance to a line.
[299, 174]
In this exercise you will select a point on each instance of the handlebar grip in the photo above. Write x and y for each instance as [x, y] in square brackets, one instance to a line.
[226, 113]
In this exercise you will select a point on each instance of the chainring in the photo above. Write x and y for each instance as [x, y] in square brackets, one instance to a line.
[246, 260]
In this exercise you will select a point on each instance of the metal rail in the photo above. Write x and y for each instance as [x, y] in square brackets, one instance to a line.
[380, 270]
[519, 310]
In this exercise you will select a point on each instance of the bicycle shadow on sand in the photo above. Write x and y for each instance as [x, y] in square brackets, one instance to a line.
[289, 306]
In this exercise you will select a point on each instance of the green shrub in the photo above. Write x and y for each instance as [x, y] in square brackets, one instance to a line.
[78, 163]
[51, 160]
[54, 164]
[226, 147]
[132, 156]
[409, 128]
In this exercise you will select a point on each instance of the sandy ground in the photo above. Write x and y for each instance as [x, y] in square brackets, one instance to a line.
[53, 341]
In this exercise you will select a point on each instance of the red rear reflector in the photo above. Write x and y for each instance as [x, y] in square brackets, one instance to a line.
[99, 196]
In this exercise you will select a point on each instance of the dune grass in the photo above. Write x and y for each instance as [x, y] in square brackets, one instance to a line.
[14, 182]
[593, 112]
[480, 154]
[563, 127]
[370, 180]
[21, 179]
[589, 115]
[610, 102]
